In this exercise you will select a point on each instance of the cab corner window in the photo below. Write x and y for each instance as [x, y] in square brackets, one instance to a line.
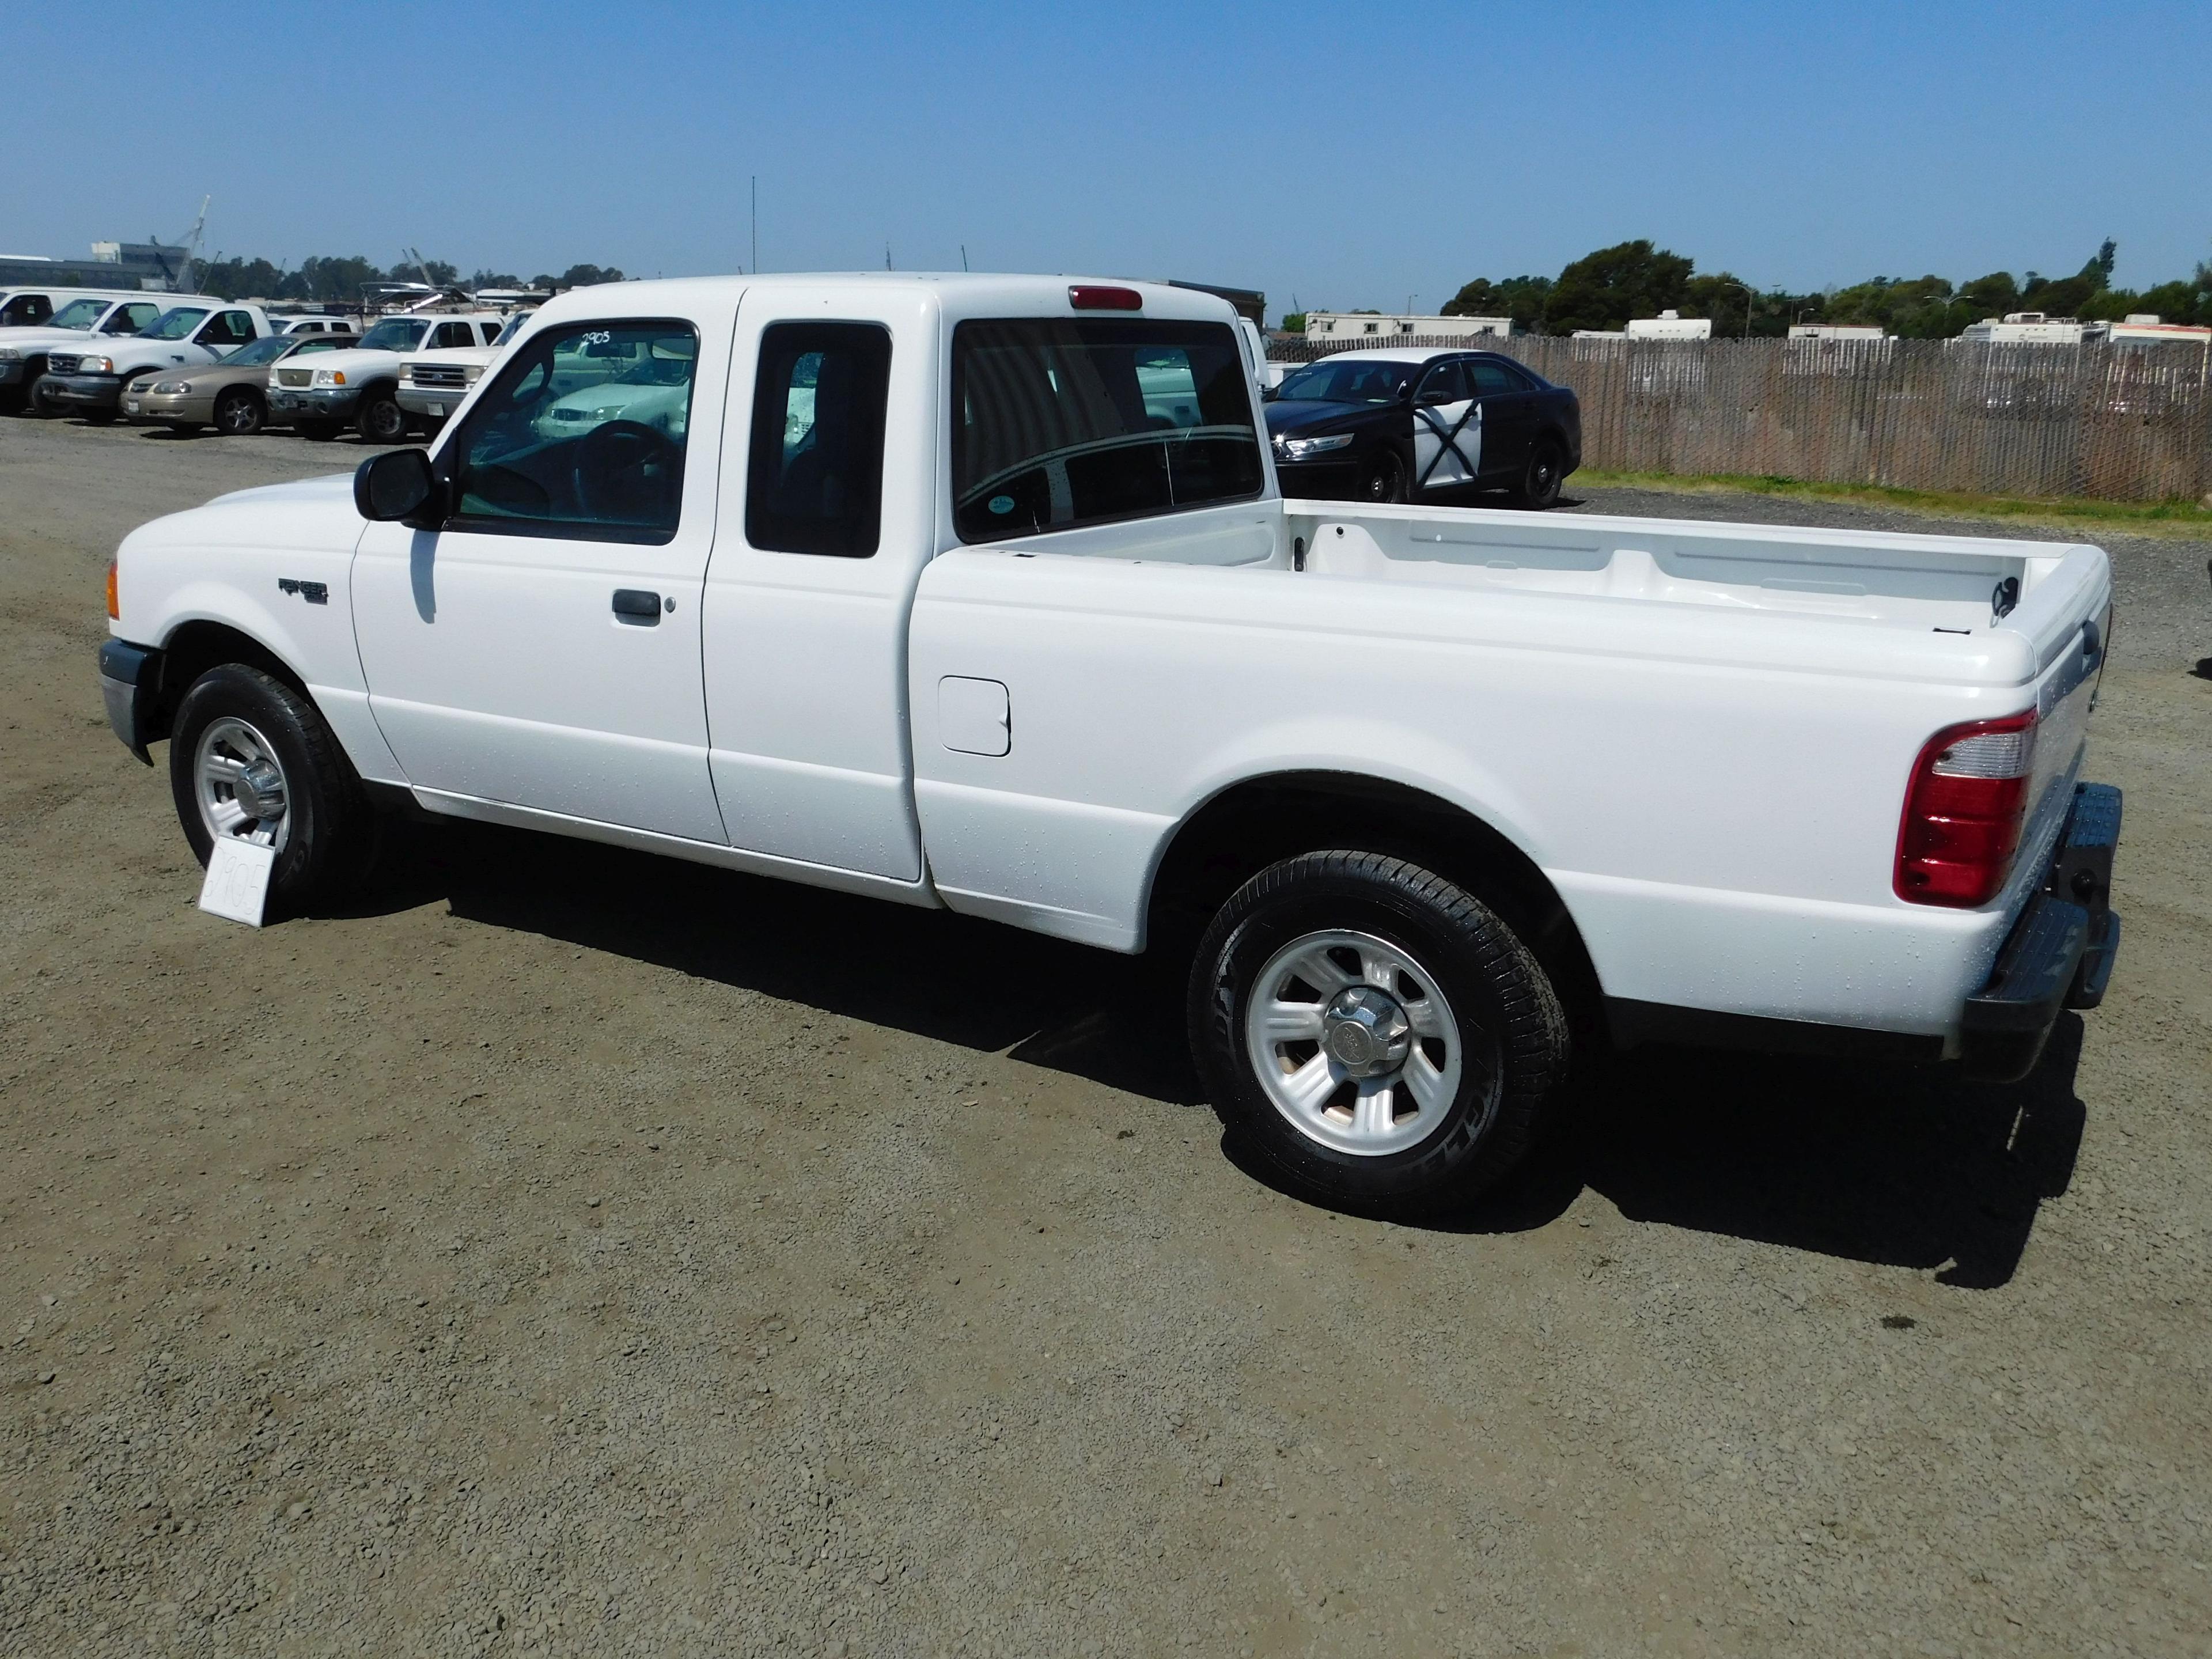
[814, 482]
[1061, 423]
[583, 435]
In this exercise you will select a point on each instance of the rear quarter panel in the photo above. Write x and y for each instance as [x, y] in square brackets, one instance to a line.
[1720, 820]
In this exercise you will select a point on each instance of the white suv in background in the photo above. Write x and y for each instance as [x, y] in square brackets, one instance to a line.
[433, 383]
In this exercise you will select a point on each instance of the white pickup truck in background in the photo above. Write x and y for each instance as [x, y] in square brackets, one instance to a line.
[434, 383]
[978, 593]
[358, 387]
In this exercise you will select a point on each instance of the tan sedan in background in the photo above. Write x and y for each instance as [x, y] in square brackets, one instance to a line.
[229, 394]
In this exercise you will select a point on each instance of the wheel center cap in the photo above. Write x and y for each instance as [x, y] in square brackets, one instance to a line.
[260, 792]
[1365, 1031]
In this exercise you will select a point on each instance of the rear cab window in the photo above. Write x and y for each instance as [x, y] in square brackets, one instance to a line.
[1063, 422]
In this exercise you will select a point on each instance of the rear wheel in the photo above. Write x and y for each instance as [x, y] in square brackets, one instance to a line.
[239, 412]
[381, 420]
[1385, 479]
[1376, 1032]
[251, 759]
[1543, 477]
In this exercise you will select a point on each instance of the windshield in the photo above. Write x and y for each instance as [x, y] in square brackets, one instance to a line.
[1347, 382]
[395, 334]
[260, 351]
[175, 324]
[79, 315]
[514, 326]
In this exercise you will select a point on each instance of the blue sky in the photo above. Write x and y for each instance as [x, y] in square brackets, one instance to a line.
[1348, 155]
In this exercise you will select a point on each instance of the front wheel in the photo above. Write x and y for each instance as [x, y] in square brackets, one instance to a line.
[238, 413]
[381, 420]
[251, 759]
[1376, 1032]
[1543, 477]
[1385, 479]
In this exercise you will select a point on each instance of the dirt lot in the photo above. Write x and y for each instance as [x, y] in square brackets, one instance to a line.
[575, 1253]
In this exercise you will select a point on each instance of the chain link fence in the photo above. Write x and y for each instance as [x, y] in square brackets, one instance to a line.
[2122, 422]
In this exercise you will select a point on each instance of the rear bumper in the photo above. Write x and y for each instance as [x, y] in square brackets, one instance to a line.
[2059, 954]
[130, 682]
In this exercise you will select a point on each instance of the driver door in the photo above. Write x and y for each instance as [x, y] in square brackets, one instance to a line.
[540, 647]
[1447, 429]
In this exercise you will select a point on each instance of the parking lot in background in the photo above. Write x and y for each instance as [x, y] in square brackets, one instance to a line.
[572, 1252]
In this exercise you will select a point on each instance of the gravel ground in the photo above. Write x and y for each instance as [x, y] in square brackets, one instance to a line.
[575, 1254]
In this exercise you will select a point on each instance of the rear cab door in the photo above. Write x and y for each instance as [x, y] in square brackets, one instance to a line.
[827, 516]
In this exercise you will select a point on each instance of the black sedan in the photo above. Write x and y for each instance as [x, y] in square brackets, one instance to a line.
[1411, 426]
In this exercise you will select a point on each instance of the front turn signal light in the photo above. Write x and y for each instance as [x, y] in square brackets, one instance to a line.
[114, 602]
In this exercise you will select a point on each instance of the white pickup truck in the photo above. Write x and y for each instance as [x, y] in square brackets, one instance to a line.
[978, 593]
[357, 385]
[193, 329]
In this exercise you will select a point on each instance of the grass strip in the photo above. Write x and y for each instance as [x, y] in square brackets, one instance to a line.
[2171, 517]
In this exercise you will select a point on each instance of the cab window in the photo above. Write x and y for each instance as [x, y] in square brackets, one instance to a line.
[451, 334]
[25, 310]
[1065, 421]
[226, 328]
[582, 435]
[815, 481]
[131, 319]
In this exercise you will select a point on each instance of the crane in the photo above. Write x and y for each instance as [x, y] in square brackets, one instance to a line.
[188, 244]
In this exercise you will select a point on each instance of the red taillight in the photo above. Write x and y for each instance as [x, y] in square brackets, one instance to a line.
[114, 592]
[1091, 297]
[1962, 811]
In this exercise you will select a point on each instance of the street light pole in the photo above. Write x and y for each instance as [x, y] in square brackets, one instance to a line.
[1748, 296]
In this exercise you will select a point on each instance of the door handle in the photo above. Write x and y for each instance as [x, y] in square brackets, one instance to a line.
[637, 606]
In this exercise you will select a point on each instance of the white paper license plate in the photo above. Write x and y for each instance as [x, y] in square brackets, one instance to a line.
[132, 406]
[439, 410]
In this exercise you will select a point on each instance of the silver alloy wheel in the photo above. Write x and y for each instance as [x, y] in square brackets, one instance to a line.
[233, 413]
[1355, 1044]
[240, 784]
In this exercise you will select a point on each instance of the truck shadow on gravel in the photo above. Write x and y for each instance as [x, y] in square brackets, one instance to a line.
[1899, 1166]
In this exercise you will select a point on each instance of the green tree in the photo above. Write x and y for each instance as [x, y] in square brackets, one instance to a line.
[493, 279]
[1604, 289]
[1526, 300]
[1294, 322]
[323, 277]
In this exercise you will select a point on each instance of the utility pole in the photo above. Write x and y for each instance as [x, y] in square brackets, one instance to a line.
[964, 255]
[756, 224]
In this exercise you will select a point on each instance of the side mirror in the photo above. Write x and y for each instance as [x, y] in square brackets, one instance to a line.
[396, 486]
[1405, 391]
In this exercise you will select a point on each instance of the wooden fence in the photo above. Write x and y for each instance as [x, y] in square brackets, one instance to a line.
[2125, 422]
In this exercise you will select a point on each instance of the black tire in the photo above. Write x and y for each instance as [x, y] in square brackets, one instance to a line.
[1384, 480]
[380, 419]
[319, 432]
[1502, 1008]
[329, 829]
[239, 412]
[39, 402]
[1543, 477]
